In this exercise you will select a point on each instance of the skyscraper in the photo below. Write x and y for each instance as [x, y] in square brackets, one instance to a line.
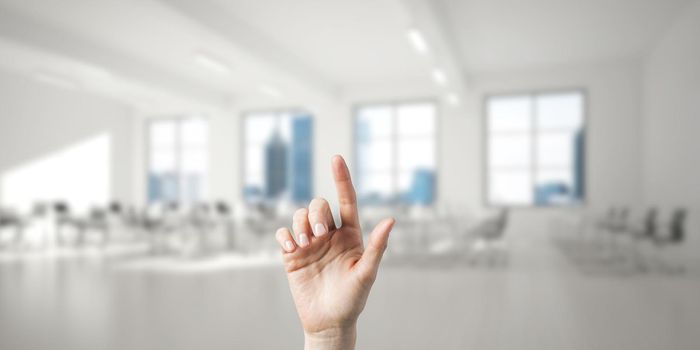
[300, 166]
[275, 166]
[423, 187]
[579, 164]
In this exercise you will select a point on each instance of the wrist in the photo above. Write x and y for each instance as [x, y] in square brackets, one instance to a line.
[342, 338]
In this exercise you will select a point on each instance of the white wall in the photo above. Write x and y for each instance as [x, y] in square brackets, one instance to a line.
[672, 121]
[37, 120]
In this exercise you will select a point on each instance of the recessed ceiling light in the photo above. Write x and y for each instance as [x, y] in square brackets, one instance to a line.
[417, 40]
[56, 80]
[94, 72]
[453, 99]
[439, 77]
[211, 63]
[270, 91]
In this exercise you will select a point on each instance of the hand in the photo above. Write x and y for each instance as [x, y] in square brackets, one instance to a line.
[330, 273]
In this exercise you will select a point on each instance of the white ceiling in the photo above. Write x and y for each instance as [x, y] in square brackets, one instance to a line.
[345, 41]
[495, 35]
[314, 47]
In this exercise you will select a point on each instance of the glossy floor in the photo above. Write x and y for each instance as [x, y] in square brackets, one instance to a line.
[123, 299]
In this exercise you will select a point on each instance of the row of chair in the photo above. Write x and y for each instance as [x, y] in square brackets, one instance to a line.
[56, 222]
[622, 237]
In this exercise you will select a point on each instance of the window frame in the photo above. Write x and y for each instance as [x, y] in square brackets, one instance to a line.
[243, 144]
[178, 151]
[395, 171]
[486, 137]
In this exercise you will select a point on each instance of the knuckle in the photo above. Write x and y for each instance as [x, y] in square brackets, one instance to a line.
[349, 200]
[369, 278]
[318, 204]
[300, 214]
[280, 234]
[319, 201]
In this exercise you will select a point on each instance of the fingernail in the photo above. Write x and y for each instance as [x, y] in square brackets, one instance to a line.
[320, 229]
[303, 239]
[289, 246]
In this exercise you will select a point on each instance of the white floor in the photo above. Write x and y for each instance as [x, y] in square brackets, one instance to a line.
[539, 301]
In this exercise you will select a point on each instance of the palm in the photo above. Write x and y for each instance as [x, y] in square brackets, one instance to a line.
[324, 284]
[330, 274]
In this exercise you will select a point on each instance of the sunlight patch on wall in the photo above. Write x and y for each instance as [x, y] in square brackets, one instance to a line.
[78, 175]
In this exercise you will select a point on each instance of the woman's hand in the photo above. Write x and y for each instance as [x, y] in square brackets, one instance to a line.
[330, 273]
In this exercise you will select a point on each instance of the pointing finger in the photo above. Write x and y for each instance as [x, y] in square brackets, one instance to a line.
[346, 192]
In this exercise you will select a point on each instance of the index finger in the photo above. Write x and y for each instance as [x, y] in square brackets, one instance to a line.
[346, 192]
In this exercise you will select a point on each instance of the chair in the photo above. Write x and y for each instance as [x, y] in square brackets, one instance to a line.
[195, 236]
[615, 230]
[225, 221]
[601, 226]
[13, 221]
[151, 219]
[119, 219]
[645, 231]
[671, 235]
[97, 221]
[489, 239]
[63, 218]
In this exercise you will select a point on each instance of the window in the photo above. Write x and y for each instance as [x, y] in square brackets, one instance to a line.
[535, 149]
[178, 160]
[278, 157]
[395, 150]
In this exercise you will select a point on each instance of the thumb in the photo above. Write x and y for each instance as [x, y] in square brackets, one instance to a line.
[369, 263]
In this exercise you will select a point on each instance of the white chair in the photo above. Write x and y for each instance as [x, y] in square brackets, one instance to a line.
[488, 243]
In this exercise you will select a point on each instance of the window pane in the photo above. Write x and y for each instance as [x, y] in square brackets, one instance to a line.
[254, 161]
[512, 113]
[375, 187]
[163, 134]
[375, 156]
[395, 147]
[260, 127]
[195, 132]
[416, 119]
[194, 160]
[558, 149]
[510, 188]
[405, 180]
[178, 162]
[163, 160]
[374, 122]
[192, 187]
[510, 151]
[416, 153]
[163, 187]
[560, 111]
[301, 162]
[554, 186]
[278, 162]
[162, 171]
[417, 186]
[555, 149]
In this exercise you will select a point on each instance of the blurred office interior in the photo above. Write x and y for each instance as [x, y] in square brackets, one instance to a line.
[541, 158]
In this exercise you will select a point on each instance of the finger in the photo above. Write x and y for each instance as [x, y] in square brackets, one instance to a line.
[346, 192]
[378, 240]
[320, 217]
[284, 237]
[301, 227]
